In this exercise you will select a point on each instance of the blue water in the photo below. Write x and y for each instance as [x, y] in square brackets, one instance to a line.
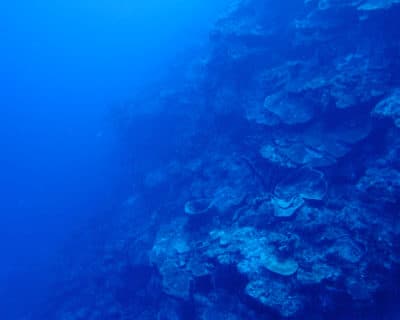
[63, 63]
[199, 160]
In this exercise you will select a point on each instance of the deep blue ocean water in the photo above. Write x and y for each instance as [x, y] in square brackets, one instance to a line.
[63, 63]
[200, 160]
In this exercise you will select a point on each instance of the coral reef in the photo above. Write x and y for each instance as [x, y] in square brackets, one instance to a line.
[282, 192]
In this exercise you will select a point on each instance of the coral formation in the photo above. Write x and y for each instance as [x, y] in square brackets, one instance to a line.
[282, 192]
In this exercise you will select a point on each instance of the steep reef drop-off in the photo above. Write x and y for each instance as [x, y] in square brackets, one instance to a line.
[266, 178]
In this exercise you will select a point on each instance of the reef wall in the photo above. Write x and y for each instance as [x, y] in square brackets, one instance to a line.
[266, 175]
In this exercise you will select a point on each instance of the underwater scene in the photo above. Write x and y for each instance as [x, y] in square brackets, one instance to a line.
[200, 160]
